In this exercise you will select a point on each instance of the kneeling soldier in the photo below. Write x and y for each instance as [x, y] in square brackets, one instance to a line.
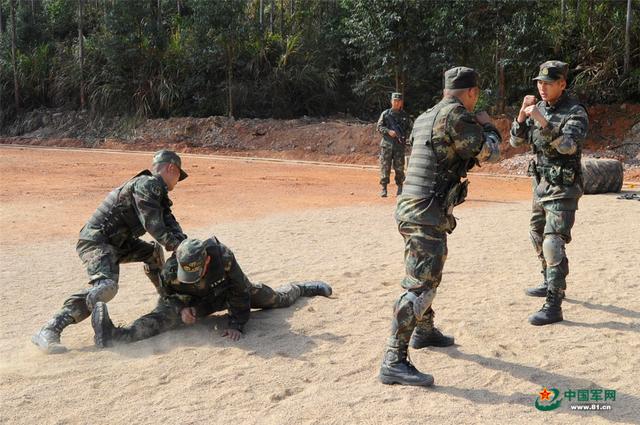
[111, 237]
[203, 278]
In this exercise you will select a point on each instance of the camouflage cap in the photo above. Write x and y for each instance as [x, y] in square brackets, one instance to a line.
[191, 254]
[460, 77]
[172, 158]
[396, 96]
[552, 71]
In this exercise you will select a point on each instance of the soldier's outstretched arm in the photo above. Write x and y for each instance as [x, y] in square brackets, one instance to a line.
[239, 293]
[148, 196]
[471, 139]
[573, 132]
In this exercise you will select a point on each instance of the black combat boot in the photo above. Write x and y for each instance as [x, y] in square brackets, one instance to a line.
[551, 311]
[48, 338]
[427, 335]
[397, 369]
[538, 291]
[314, 288]
[399, 191]
[105, 332]
[383, 192]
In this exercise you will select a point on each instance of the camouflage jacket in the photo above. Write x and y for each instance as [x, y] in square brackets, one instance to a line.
[384, 125]
[140, 205]
[458, 141]
[558, 147]
[224, 286]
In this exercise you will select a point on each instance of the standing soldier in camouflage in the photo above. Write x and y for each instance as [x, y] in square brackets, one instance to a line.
[555, 128]
[203, 277]
[448, 140]
[395, 125]
[111, 237]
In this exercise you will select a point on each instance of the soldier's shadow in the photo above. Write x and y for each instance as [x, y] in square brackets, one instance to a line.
[538, 378]
[621, 311]
[267, 334]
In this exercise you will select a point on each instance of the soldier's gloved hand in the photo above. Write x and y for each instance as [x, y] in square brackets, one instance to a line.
[188, 315]
[232, 334]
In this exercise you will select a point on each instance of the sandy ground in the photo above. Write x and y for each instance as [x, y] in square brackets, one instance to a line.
[317, 361]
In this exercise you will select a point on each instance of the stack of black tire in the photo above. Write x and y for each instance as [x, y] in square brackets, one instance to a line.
[602, 175]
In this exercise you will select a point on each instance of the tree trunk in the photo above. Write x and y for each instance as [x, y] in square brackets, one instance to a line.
[501, 89]
[159, 18]
[178, 6]
[281, 17]
[271, 15]
[627, 40]
[1, 25]
[81, 40]
[229, 81]
[33, 11]
[16, 87]
[261, 14]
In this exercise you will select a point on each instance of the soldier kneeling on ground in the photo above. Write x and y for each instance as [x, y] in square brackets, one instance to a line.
[203, 277]
[112, 237]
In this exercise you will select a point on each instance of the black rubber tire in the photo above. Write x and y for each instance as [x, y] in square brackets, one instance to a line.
[602, 175]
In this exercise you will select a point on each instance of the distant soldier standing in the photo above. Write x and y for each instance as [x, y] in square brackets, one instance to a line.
[555, 128]
[395, 125]
[111, 237]
[448, 140]
[203, 277]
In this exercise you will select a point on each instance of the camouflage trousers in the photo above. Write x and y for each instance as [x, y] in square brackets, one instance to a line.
[550, 230]
[166, 315]
[392, 155]
[425, 252]
[102, 262]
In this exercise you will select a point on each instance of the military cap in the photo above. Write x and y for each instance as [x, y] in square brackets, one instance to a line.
[191, 254]
[172, 158]
[460, 77]
[396, 96]
[552, 71]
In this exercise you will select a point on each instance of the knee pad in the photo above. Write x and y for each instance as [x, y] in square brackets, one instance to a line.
[553, 249]
[536, 240]
[156, 261]
[423, 302]
[102, 290]
[420, 303]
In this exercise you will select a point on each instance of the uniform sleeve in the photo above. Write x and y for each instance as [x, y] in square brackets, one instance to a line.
[147, 196]
[171, 222]
[573, 132]
[381, 126]
[519, 133]
[239, 297]
[469, 137]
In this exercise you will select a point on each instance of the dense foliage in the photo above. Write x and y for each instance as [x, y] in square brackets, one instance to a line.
[286, 58]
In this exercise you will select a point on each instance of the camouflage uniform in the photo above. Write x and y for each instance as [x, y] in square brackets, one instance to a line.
[392, 150]
[446, 142]
[111, 237]
[223, 287]
[557, 178]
